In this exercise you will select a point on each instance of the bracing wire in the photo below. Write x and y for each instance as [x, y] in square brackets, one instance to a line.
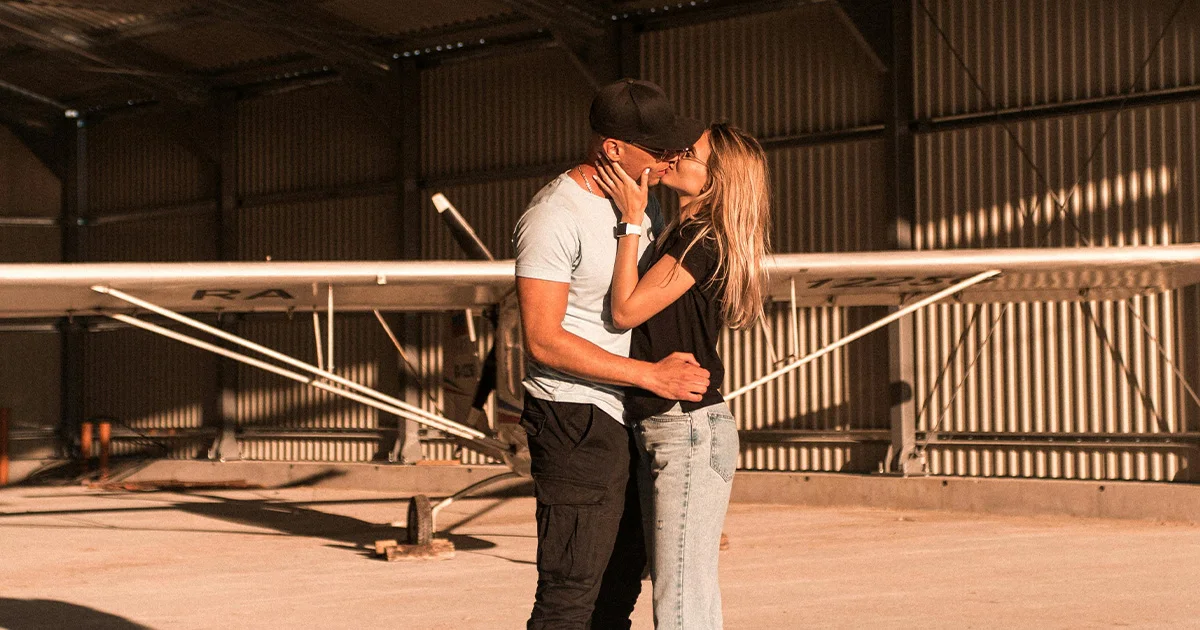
[1030, 214]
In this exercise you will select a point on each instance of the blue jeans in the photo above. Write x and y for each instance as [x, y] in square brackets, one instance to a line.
[688, 463]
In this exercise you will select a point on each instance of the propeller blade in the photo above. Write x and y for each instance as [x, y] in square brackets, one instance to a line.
[467, 239]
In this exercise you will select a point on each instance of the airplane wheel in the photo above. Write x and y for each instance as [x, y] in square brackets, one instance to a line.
[420, 520]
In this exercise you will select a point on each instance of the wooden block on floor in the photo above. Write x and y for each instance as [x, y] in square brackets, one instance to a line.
[439, 549]
[381, 546]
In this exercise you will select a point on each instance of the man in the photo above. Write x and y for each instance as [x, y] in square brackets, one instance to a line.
[590, 547]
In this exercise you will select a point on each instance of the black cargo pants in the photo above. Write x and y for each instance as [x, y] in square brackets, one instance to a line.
[591, 552]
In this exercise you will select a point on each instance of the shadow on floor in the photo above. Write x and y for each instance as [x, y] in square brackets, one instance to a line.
[50, 614]
[295, 518]
[292, 519]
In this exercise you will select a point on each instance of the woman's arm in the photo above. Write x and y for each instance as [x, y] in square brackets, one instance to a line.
[634, 301]
[638, 300]
[543, 304]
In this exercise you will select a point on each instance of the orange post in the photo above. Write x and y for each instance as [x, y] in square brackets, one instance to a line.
[4, 446]
[105, 442]
[85, 444]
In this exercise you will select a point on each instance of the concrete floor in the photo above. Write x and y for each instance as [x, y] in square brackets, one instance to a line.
[295, 558]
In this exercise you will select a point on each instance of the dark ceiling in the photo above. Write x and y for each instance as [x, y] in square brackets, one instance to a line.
[65, 58]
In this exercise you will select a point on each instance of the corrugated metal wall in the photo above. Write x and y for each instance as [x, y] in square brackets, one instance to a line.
[774, 74]
[270, 407]
[27, 187]
[1033, 52]
[358, 228]
[492, 208]
[164, 238]
[149, 198]
[135, 164]
[480, 119]
[503, 112]
[1054, 370]
[152, 388]
[781, 75]
[322, 139]
[30, 202]
[310, 139]
[492, 128]
[30, 387]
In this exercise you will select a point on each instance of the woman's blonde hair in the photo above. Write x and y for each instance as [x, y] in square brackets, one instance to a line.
[734, 210]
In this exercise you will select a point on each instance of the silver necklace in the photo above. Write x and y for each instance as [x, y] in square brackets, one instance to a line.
[584, 178]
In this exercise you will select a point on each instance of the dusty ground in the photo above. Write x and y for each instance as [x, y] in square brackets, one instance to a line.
[79, 558]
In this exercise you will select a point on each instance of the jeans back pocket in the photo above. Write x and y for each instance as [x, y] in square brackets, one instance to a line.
[724, 444]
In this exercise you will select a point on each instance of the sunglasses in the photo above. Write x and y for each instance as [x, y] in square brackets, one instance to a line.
[690, 154]
[661, 155]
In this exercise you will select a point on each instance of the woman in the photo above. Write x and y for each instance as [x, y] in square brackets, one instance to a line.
[706, 273]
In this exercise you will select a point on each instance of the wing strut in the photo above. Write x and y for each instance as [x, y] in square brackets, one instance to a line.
[317, 335]
[329, 328]
[372, 398]
[408, 364]
[865, 330]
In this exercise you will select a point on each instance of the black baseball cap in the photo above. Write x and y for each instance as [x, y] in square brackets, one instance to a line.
[639, 112]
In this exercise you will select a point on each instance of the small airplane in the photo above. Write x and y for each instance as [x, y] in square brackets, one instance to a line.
[906, 280]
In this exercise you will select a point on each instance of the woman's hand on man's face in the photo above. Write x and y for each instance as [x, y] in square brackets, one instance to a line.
[630, 195]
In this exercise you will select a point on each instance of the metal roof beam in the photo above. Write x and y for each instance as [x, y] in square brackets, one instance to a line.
[316, 31]
[33, 97]
[576, 19]
[132, 64]
[37, 131]
[35, 120]
[580, 28]
[162, 23]
[869, 21]
[115, 6]
[710, 11]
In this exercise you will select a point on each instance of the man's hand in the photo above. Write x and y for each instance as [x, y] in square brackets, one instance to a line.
[677, 377]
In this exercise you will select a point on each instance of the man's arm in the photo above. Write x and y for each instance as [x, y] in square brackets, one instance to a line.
[543, 306]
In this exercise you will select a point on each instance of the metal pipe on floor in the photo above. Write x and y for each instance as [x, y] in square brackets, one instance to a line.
[105, 446]
[85, 444]
[4, 412]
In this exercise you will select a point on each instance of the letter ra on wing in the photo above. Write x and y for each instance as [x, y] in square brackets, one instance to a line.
[271, 293]
[231, 294]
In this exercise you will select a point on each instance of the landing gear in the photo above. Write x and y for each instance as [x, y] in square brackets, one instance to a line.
[420, 520]
[422, 515]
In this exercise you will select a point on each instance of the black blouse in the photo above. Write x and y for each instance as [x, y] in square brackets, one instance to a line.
[690, 324]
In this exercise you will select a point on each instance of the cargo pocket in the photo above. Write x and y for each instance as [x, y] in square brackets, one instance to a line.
[724, 444]
[553, 490]
[573, 540]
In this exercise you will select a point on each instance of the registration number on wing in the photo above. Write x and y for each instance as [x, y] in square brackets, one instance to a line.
[887, 282]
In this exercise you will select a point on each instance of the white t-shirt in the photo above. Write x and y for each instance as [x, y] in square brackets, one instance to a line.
[566, 235]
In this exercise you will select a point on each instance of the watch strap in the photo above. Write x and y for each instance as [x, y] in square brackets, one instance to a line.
[625, 229]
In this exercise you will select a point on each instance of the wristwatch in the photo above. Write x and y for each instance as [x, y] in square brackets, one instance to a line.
[625, 229]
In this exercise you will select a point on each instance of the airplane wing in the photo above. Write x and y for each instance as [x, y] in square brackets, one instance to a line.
[890, 278]
[844, 279]
[45, 290]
